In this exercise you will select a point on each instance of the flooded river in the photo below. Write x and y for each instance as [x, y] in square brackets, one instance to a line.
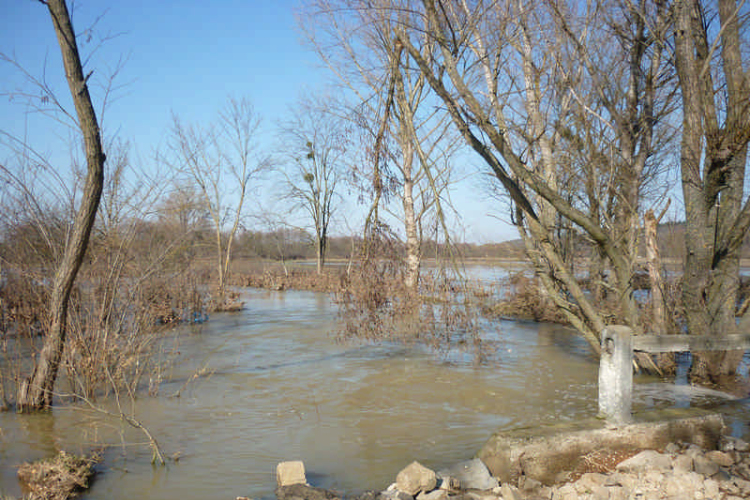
[276, 386]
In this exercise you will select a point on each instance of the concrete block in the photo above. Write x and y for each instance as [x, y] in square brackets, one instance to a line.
[289, 473]
[544, 453]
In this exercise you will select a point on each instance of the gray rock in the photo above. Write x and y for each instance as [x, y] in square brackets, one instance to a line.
[628, 481]
[711, 488]
[433, 495]
[693, 480]
[566, 492]
[729, 487]
[591, 485]
[289, 473]
[545, 492]
[675, 486]
[618, 493]
[471, 475]
[672, 448]
[464, 495]
[304, 492]
[726, 443]
[722, 476]
[367, 495]
[729, 443]
[528, 484]
[394, 494]
[704, 466]
[743, 470]
[448, 483]
[414, 478]
[721, 458]
[648, 460]
[744, 487]
[694, 451]
[508, 492]
[682, 463]
[652, 479]
[592, 479]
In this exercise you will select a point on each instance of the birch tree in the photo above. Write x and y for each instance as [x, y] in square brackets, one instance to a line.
[408, 138]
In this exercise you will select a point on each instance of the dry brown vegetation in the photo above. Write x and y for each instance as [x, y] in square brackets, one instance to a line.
[524, 299]
[134, 282]
[58, 478]
[375, 304]
[138, 279]
[272, 278]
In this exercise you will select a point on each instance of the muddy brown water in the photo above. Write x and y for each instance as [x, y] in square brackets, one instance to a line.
[276, 386]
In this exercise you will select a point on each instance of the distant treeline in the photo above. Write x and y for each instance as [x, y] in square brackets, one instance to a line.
[296, 244]
[286, 244]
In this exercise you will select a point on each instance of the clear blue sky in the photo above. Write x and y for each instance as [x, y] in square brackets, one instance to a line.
[185, 57]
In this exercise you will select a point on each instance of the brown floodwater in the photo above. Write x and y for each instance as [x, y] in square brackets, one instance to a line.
[277, 386]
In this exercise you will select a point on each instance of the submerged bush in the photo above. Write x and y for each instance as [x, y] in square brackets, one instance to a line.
[524, 298]
[58, 478]
[375, 304]
[116, 317]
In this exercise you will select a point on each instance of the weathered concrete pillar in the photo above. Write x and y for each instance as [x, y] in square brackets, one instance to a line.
[616, 375]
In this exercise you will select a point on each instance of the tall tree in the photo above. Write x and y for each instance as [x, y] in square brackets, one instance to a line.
[408, 137]
[711, 45]
[221, 160]
[525, 84]
[36, 392]
[316, 143]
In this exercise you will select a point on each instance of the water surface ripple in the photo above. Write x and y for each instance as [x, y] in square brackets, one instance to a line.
[276, 386]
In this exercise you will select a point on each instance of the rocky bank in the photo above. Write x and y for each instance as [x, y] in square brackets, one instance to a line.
[677, 472]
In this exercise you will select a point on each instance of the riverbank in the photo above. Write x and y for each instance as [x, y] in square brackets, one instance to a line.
[680, 471]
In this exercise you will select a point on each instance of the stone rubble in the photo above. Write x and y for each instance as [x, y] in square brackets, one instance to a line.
[679, 472]
[416, 478]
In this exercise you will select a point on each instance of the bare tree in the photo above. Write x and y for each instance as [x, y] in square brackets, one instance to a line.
[408, 138]
[711, 47]
[316, 143]
[183, 209]
[522, 92]
[36, 391]
[221, 160]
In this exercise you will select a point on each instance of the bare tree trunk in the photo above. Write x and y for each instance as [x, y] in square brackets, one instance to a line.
[410, 223]
[653, 264]
[320, 248]
[597, 277]
[713, 162]
[36, 392]
[221, 287]
[665, 361]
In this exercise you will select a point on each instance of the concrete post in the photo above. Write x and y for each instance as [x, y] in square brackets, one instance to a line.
[616, 375]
